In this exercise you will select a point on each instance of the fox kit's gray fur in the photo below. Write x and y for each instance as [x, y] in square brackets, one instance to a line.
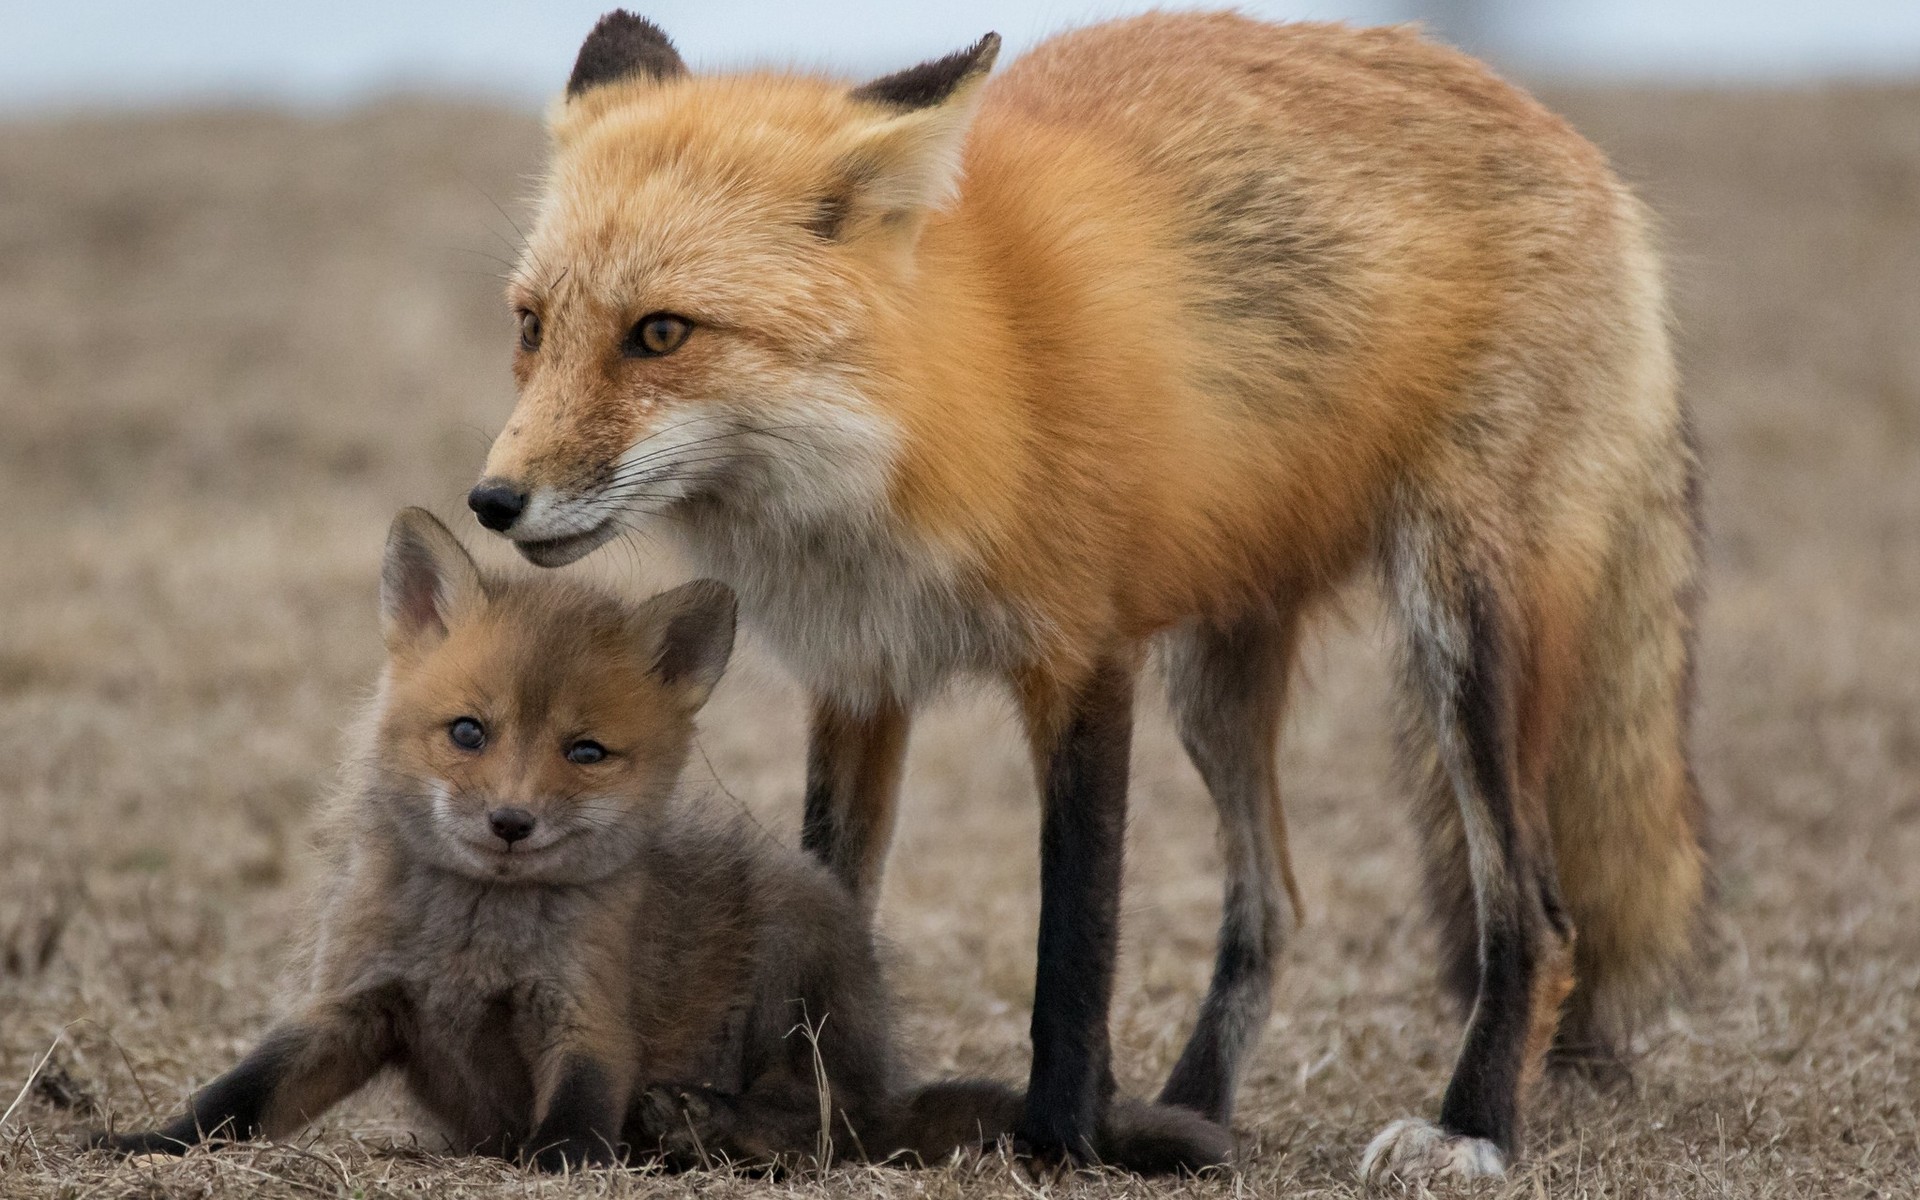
[563, 961]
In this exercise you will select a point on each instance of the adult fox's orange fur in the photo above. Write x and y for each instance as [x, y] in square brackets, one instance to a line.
[1148, 342]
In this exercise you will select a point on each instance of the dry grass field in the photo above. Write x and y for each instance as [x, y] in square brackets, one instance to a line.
[234, 344]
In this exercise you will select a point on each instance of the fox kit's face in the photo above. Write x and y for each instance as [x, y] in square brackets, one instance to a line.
[529, 732]
[529, 768]
[710, 263]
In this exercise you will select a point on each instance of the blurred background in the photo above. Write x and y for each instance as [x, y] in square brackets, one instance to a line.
[250, 305]
[102, 54]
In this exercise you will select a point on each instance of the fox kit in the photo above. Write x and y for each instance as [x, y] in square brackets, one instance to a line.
[564, 962]
[1146, 344]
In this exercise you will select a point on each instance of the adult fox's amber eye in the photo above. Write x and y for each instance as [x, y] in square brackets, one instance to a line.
[467, 733]
[656, 334]
[585, 752]
[529, 330]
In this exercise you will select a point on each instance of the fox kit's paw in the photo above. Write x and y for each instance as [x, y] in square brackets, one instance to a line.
[127, 1145]
[573, 1154]
[1420, 1153]
[686, 1123]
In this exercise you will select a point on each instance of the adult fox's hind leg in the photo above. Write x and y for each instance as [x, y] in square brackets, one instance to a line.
[1466, 663]
[1228, 691]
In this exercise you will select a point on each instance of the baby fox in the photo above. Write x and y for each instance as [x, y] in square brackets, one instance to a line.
[564, 961]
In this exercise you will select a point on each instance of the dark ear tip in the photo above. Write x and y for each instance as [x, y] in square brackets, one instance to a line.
[622, 45]
[933, 82]
[621, 25]
[982, 54]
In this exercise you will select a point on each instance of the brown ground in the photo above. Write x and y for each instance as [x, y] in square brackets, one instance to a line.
[233, 345]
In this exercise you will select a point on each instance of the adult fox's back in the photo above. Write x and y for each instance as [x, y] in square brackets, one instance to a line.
[1149, 341]
[1356, 240]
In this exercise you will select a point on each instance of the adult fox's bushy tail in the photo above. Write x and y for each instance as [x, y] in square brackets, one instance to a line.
[1606, 713]
[1627, 819]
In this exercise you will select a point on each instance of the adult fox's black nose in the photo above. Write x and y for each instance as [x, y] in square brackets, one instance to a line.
[496, 504]
[510, 824]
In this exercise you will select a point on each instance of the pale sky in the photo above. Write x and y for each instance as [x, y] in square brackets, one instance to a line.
[90, 54]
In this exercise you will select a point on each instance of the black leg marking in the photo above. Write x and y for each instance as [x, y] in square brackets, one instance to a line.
[230, 1108]
[582, 1124]
[1082, 847]
[1207, 1075]
[1228, 690]
[1483, 1097]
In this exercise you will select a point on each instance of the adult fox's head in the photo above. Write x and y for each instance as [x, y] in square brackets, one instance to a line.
[711, 264]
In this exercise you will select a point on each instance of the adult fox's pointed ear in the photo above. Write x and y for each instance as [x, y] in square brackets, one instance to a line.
[427, 579]
[689, 632]
[908, 160]
[623, 46]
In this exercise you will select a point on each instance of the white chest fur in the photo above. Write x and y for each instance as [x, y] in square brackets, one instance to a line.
[852, 610]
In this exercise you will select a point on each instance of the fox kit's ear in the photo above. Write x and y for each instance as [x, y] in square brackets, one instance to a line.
[908, 160]
[689, 631]
[426, 580]
[623, 46]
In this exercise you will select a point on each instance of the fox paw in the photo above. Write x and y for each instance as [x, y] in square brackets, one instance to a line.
[1048, 1158]
[1419, 1153]
[573, 1154]
[135, 1145]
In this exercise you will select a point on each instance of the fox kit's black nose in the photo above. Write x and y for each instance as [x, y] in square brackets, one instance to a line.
[510, 824]
[497, 505]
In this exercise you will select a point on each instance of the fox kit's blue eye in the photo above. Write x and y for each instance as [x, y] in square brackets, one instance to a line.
[656, 334]
[585, 752]
[467, 733]
[529, 330]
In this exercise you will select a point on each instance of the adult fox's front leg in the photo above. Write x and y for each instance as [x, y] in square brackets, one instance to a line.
[1080, 740]
[854, 756]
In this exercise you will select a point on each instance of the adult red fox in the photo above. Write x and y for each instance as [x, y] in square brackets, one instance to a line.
[564, 959]
[1147, 343]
